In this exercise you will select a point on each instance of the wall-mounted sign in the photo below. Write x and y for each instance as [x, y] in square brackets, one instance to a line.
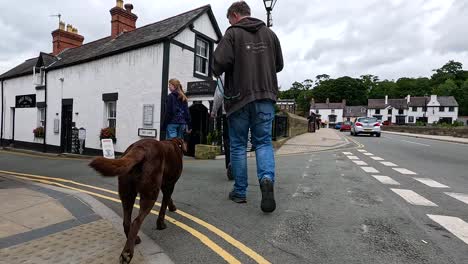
[145, 132]
[108, 148]
[201, 88]
[25, 101]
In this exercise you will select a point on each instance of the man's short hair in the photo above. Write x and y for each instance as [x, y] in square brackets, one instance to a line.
[239, 7]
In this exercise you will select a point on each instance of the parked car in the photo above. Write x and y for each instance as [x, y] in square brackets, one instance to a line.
[338, 125]
[366, 125]
[346, 126]
[386, 123]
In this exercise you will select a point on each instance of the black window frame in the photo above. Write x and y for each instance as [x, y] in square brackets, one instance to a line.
[377, 111]
[390, 111]
[414, 109]
[451, 108]
[441, 108]
[401, 111]
[196, 74]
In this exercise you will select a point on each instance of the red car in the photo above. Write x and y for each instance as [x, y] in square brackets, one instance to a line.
[386, 123]
[346, 126]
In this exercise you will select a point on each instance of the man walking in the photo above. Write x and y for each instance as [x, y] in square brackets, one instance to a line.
[250, 56]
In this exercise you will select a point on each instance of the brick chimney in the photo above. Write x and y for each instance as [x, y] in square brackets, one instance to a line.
[122, 19]
[65, 38]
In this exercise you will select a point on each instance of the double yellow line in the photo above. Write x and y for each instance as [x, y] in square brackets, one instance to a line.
[203, 238]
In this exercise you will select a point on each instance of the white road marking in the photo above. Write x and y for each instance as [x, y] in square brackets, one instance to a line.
[304, 175]
[405, 171]
[347, 153]
[362, 150]
[413, 198]
[360, 162]
[455, 225]
[415, 143]
[370, 169]
[376, 158]
[368, 154]
[386, 180]
[353, 158]
[431, 183]
[308, 166]
[459, 196]
[388, 164]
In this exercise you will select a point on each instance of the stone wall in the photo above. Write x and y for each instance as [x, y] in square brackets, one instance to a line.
[438, 131]
[297, 125]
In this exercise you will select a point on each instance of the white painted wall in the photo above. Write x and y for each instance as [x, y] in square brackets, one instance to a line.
[326, 112]
[25, 118]
[135, 76]
[204, 25]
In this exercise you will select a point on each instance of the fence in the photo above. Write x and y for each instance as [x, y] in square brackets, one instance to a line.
[280, 127]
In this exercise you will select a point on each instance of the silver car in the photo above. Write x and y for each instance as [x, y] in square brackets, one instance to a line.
[366, 125]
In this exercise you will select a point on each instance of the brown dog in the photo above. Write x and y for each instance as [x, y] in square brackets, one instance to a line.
[146, 167]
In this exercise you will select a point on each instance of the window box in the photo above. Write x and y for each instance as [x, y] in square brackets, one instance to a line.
[39, 132]
[108, 132]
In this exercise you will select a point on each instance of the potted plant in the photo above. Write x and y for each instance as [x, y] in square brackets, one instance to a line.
[108, 132]
[39, 132]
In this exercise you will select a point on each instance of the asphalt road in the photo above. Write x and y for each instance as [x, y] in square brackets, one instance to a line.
[329, 209]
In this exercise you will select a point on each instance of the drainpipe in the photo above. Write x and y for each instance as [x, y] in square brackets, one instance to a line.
[1, 129]
[45, 110]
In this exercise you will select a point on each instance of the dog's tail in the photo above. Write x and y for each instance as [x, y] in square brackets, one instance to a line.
[117, 167]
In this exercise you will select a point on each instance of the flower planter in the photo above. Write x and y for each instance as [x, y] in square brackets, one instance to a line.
[206, 151]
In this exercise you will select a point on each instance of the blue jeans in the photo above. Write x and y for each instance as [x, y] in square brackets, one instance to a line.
[258, 116]
[175, 131]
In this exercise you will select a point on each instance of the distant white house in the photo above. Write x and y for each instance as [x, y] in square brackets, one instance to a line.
[412, 109]
[330, 113]
[119, 81]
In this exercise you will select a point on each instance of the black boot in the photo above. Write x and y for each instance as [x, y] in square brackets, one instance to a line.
[268, 203]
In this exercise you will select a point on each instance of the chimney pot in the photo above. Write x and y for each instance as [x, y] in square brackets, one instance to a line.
[328, 100]
[386, 99]
[119, 3]
[69, 28]
[62, 25]
[129, 7]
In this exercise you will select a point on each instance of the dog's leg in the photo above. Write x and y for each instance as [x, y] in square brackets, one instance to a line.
[171, 206]
[167, 192]
[128, 200]
[145, 208]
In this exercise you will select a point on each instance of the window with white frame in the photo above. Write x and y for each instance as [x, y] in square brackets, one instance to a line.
[202, 56]
[41, 117]
[148, 110]
[111, 113]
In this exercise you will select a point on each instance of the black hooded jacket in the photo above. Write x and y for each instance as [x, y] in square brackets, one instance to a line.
[250, 55]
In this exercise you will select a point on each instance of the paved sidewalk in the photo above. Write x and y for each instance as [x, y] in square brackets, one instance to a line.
[323, 139]
[44, 224]
[440, 138]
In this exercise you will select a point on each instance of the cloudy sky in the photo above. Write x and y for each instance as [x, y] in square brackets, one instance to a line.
[387, 38]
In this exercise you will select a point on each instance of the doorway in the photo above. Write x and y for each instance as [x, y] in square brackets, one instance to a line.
[67, 125]
[200, 122]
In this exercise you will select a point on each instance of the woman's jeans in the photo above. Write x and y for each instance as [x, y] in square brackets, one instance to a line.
[258, 116]
[175, 131]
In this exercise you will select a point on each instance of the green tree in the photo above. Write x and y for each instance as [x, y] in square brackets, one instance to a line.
[383, 88]
[451, 70]
[351, 89]
[370, 81]
[461, 95]
[445, 89]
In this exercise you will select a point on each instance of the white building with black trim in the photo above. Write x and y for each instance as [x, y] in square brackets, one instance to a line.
[409, 110]
[119, 81]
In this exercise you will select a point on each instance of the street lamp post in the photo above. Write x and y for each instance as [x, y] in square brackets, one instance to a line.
[269, 5]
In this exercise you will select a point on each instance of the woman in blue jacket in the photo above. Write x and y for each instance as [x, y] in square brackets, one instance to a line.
[177, 116]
